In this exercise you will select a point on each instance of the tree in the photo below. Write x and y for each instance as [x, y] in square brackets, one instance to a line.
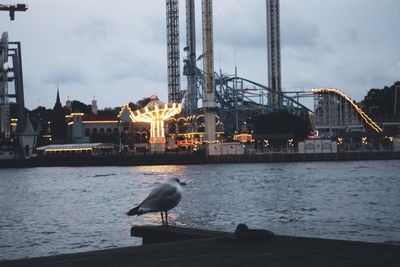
[80, 107]
[143, 102]
[139, 104]
[380, 103]
[109, 111]
[41, 113]
[133, 106]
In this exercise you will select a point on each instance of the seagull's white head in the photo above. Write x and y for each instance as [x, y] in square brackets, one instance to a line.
[174, 180]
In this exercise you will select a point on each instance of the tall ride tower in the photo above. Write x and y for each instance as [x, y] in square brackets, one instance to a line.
[10, 50]
[4, 105]
[209, 105]
[174, 90]
[189, 68]
[274, 53]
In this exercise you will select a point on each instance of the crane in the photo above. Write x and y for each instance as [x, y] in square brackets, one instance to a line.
[13, 8]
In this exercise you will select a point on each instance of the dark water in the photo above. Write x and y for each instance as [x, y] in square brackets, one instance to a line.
[48, 211]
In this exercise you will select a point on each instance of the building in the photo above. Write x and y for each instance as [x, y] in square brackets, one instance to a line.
[75, 150]
[228, 148]
[318, 146]
[396, 143]
[93, 128]
[117, 129]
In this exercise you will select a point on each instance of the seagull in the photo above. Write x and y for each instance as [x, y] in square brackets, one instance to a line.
[162, 198]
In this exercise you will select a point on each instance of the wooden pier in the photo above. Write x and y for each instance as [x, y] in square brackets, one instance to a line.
[176, 246]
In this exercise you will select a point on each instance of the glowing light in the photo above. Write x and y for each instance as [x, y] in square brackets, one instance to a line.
[266, 143]
[291, 142]
[198, 133]
[364, 140]
[74, 114]
[186, 143]
[86, 122]
[125, 106]
[182, 118]
[243, 138]
[68, 149]
[155, 113]
[362, 114]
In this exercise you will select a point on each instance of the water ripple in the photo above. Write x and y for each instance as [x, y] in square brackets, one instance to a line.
[49, 211]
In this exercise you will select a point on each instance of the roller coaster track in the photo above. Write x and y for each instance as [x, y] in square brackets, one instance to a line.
[364, 116]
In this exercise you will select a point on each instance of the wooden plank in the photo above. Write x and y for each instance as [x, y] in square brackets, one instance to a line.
[158, 234]
[229, 251]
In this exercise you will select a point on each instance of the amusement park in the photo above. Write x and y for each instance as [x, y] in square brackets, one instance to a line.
[222, 137]
[225, 110]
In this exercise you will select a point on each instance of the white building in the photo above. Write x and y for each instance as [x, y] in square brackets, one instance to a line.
[228, 148]
[396, 143]
[317, 146]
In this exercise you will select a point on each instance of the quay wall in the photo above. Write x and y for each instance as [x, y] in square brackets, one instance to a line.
[172, 158]
[298, 157]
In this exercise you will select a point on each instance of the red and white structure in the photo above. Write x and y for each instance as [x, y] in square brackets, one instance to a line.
[94, 106]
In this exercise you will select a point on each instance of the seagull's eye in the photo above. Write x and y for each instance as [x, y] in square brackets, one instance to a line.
[176, 179]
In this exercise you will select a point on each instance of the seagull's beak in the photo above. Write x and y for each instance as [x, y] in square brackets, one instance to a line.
[182, 183]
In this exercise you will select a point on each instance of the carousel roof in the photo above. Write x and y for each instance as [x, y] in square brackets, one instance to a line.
[156, 110]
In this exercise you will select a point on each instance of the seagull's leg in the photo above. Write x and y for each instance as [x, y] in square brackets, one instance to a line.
[166, 218]
[162, 218]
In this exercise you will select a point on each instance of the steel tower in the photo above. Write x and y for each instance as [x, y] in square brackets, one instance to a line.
[209, 105]
[190, 69]
[13, 50]
[15, 53]
[174, 90]
[274, 53]
[4, 105]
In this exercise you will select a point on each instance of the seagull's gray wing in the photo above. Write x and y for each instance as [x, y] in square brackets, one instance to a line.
[161, 198]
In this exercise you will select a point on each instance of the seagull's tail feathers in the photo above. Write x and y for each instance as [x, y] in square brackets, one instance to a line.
[135, 211]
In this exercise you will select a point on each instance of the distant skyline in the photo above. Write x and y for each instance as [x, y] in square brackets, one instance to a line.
[116, 50]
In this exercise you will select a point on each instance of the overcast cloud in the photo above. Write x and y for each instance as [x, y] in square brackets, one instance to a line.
[116, 50]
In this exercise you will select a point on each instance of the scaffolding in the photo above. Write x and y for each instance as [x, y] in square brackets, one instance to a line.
[334, 111]
[240, 98]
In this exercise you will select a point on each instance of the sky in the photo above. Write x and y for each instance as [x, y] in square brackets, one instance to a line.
[117, 51]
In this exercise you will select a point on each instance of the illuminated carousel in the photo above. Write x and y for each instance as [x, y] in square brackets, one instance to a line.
[156, 112]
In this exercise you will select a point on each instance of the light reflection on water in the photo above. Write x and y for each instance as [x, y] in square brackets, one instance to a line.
[47, 211]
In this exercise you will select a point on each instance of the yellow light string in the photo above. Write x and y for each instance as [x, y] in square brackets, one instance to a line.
[364, 116]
